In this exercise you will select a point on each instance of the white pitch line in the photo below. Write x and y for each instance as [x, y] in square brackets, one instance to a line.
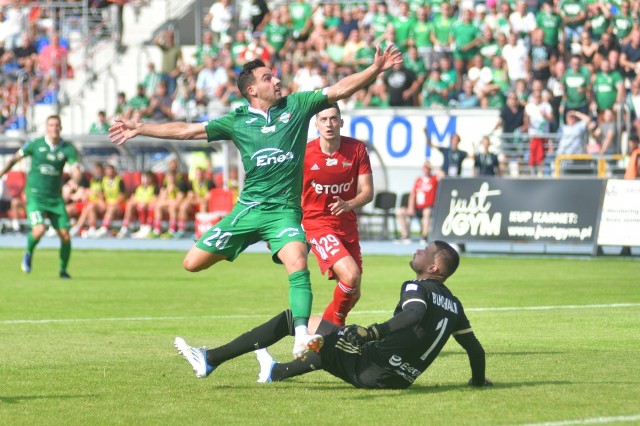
[496, 309]
[591, 421]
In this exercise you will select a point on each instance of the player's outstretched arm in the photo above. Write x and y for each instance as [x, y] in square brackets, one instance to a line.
[123, 130]
[475, 352]
[349, 85]
[16, 157]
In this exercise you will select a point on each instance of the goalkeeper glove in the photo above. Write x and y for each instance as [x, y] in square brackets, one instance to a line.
[358, 335]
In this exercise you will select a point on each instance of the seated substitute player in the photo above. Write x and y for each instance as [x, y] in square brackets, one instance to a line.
[271, 134]
[337, 180]
[94, 203]
[74, 193]
[196, 200]
[171, 196]
[114, 199]
[143, 203]
[390, 355]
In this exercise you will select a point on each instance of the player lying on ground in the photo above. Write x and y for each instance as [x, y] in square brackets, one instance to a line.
[390, 355]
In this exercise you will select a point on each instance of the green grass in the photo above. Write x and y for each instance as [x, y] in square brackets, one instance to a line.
[115, 364]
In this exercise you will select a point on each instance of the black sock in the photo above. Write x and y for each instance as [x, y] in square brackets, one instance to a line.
[296, 367]
[260, 337]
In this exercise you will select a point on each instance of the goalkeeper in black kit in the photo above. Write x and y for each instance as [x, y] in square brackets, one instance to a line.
[390, 355]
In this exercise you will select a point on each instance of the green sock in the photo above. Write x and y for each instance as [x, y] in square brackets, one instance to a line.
[65, 254]
[31, 243]
[300, 297]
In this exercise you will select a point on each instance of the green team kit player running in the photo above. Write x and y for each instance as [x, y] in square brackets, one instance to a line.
[271, 135]
[49, 154]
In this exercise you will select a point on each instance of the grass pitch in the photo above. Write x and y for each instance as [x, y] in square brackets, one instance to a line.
[98, 349]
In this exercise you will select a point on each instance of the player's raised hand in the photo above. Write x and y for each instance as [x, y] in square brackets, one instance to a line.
[122, 130]
[388, 58]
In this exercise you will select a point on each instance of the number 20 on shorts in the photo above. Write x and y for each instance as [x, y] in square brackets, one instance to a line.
[219, 238]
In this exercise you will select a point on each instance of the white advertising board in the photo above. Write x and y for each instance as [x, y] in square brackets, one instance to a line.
[620, 217]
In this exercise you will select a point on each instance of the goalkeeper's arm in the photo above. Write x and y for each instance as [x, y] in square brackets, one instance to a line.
[411, 315]
[475, 352]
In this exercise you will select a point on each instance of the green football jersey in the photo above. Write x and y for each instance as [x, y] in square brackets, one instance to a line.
[45, 176]
[403, 26]
[551, 24]
[272, 145]
[421, 34]
[575, 84]
[622, 26]
[605, 89]
[277, 35]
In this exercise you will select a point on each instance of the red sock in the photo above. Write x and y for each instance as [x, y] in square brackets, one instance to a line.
[150, 216]
[337, 310]
[182, 225]
[172, 225]
[156, 225]
[142, 214]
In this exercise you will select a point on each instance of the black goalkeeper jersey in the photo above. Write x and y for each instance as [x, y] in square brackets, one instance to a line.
[404, 354]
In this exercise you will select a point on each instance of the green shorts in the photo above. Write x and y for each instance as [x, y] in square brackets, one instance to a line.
[468, 55]
[53, 208]
[249, 223]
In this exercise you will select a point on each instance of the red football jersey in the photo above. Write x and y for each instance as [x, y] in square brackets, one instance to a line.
[425, 189]
[327, 176]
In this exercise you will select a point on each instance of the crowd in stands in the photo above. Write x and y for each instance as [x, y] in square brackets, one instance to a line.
[34, 52]
[551, 56]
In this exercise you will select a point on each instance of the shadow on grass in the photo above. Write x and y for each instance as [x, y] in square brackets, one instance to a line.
[19, 399]
[434, 389]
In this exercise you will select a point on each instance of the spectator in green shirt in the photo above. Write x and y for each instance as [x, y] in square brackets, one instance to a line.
[403, 25]
[576, 87]
[574, 15]
[550, 23]
[421, 36]
[442, 37]
[599, 19]
[300, 13]
[207, 48]
[101, 126]
[140, 102]
[608, 88]
[623, 23]
[467, 40]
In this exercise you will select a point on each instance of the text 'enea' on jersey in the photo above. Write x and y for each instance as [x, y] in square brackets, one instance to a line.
[269, 156]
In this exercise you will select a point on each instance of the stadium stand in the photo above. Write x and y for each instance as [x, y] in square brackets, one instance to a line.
[457, 55]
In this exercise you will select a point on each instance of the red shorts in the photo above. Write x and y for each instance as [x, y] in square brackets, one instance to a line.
[79, 205]
[536, 151]
[330, 248]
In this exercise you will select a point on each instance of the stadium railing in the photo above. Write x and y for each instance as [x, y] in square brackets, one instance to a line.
[588, 165]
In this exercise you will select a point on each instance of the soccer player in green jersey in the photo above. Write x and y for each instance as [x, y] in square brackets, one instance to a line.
[48, 155]
[271, 135]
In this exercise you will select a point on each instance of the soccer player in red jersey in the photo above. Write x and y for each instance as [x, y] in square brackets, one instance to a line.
[337, 180]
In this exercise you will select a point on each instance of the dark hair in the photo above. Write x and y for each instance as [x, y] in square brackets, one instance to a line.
[449, 256]
[333, 105]
[246, 77]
